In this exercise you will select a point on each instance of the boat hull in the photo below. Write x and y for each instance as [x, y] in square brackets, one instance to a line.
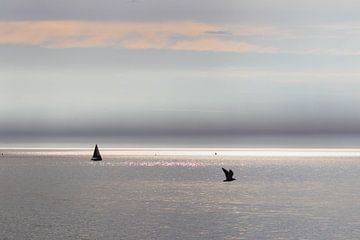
[96, 159]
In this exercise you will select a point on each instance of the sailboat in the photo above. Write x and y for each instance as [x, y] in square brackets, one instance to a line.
[96, 156]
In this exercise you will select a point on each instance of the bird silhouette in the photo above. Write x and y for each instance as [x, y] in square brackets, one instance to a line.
[229, 175]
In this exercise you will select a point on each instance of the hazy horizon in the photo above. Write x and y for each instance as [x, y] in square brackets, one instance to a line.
[248, 141]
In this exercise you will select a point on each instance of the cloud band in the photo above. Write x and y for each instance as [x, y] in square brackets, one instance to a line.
[190, 36]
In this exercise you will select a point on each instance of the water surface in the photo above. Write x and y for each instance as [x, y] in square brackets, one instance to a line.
[167, 194]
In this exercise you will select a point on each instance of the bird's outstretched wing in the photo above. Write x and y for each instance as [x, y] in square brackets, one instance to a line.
[225, 171]
[231, 173]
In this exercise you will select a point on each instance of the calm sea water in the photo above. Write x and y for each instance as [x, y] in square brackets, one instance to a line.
[61, 194]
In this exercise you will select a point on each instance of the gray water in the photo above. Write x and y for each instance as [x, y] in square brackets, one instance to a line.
[61, 194]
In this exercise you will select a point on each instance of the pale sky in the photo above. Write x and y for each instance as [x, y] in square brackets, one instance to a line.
[164, 68]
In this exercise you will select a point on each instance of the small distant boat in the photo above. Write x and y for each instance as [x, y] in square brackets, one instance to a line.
[96, 156]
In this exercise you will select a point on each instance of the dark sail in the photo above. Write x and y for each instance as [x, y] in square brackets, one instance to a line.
[96, 155]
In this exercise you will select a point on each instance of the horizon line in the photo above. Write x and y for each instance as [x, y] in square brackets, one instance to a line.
[189, 148]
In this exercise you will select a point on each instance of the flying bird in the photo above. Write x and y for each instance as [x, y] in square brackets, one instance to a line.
[229, 175]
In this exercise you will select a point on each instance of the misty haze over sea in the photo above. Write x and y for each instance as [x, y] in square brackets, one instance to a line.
[185, 141]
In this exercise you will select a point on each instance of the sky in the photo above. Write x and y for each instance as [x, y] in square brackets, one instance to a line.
[207, 72]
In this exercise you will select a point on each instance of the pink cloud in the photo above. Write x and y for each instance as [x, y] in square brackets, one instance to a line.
[219, 45]
[132, 35]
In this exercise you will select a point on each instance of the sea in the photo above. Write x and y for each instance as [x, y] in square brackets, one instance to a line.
[179, 193]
